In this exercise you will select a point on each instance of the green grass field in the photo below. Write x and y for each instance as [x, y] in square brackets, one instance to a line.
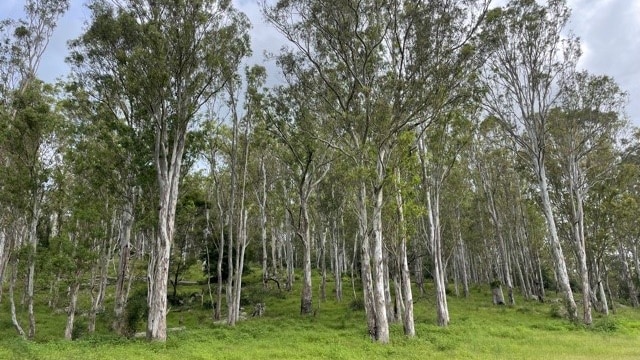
[478, 330]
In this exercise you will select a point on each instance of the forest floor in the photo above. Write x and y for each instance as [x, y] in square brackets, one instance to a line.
[337, 330]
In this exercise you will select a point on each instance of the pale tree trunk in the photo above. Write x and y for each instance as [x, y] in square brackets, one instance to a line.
[554, 241]
[626, 275]
[263, 223]
[97, 303]
[365, 262]
[337, 260]
[12, 285]
[122, 277]
[578, 237]
[604, 305]
[377, 260]
[3, 258]
[274, 252]
[323, 265]
[433, 211]
[497, 223]
[463, 264]
[168, 174]
[71, 312]
[217, 307]
[391, 314]
[304, 232]
[237, 229]
[33, 244]
[217, 314]
[406, 292]
[241, 246]
[13, 262]
[74, 288]
[432, 184]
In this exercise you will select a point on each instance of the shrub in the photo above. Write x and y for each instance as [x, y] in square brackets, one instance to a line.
[356, 304]
[136, 311]
[605, 324]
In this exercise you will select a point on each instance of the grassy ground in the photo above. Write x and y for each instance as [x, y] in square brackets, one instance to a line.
[478, 330]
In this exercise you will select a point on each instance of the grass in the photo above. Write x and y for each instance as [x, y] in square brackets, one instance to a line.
[478, 330]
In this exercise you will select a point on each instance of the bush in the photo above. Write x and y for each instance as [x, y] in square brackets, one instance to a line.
[136, 311]
[605, 324]
[558, 310]
[356, 304]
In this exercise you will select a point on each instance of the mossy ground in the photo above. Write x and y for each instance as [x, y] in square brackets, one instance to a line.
[478, 330]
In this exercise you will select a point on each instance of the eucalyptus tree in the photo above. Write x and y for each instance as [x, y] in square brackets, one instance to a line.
[374, 87]
[493, 164]
[529, 56]
[308, 161]
[168, 58]
[239, 153]
[28, 120]
[585, 126]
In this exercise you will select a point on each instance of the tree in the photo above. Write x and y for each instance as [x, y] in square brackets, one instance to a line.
[585, 125]
[307, 159]
[170, 58]
[529, 56]
[28, 117]
[374, 69]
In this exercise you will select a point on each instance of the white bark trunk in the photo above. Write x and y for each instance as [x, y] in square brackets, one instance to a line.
[168, 174]
[71, 312]
[382, 323]
[407, 294]
[122, 277]
[554, 242]
[365, 263]
[33, 243]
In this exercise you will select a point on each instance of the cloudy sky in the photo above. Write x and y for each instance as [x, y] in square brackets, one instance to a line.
[609, 31]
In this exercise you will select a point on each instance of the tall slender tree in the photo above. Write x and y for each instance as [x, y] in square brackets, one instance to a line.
[529, 57]
[171, 57]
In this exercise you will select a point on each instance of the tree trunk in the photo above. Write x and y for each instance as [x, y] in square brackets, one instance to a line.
[304, 232]
[122, 277]
[168, 167]
[3, 258]
[337, 260]
[554, 241]
[12, 284]
[407, 294]
[626, 275]
[382, 323]
[578, 237]
[263, 223]
[71, 312]
[433, 211]
[323, 265]
[496, 292]
[33, 244]
[365, 263]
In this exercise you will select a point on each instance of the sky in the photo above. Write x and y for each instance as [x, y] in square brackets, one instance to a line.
[609, 31]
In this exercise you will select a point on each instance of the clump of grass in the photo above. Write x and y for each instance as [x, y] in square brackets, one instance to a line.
[357, 304]
[605, 324]
[558, 311]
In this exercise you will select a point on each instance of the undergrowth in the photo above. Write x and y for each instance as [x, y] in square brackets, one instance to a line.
[336, 330]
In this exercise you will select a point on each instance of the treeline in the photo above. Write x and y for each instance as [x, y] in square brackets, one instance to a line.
[410, 141]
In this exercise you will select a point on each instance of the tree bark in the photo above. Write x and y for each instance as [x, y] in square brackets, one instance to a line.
[554, 241]
[407, 294]
[365, 262]
[382, 323]
[71, 312]
[168, 173]
[121, 289]
[304, 232]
